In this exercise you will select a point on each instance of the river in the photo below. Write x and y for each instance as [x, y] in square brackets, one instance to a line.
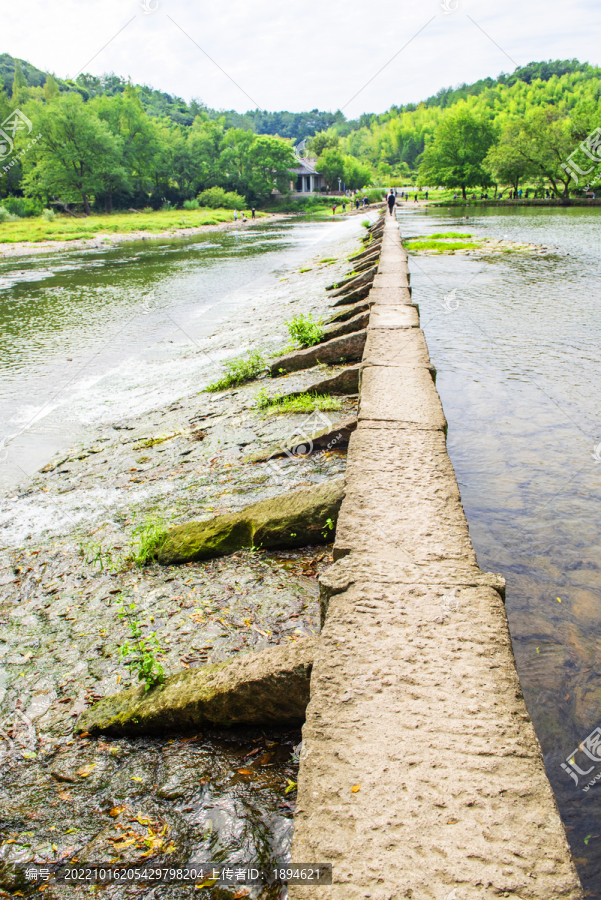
[91, 336]
[516, 342]
[96, 336]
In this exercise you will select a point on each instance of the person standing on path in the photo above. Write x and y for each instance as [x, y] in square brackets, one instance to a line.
[235, 215]
[253, 213]
[391, 202]
[334, 205]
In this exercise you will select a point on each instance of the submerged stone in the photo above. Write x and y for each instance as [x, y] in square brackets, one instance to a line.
[295, 519]
[268, 687]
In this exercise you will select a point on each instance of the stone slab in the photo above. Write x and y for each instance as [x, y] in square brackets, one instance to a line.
[403, 395]
[403, 316]
[386, 348]
[421, 775]
[402, 499]
[395, 295]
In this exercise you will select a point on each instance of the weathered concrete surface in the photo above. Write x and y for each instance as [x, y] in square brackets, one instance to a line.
[295, 519]
[268, 687]
[421, 775]
[346, 348]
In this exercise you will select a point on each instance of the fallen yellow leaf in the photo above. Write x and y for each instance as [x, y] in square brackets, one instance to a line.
[136, 778]
[244, 771]
[86, 770]
[355, 788]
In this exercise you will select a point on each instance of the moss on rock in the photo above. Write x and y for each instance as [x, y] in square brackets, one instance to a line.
[268, 687]
[295, 519]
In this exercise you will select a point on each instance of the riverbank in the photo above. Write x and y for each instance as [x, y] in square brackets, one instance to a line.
[106, 239]
[65, 536]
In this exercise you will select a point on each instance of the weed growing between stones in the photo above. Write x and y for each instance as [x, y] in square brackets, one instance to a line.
[147, 538]
[143, 661]
[239, 370]
[304, 331]
[282, 403]
[94, 554]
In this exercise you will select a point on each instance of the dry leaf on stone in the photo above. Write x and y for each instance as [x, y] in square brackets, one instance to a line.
[86, 770]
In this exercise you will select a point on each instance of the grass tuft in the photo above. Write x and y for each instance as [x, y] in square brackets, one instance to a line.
[303, 403]
[239, 370]
[146, 540]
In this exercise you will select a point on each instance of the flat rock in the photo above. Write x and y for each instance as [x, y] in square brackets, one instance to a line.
[268, 687]
[295, 519]
[403, 395]
[346, 348]
[401, 316]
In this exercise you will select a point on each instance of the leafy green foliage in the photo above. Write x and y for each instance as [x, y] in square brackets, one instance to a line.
[454, 157]
[239, 370]
[141, 650]
[217, 198]
[304, 331]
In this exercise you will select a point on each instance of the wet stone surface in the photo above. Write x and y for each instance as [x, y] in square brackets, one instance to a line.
[181, 798]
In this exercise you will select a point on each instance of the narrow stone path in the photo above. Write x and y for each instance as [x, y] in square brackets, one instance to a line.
[421, 775]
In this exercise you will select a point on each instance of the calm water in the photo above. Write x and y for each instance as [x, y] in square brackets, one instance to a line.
[519, 374]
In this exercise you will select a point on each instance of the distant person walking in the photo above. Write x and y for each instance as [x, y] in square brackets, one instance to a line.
[235, 215]
[391, 202]
[253, 213]
[334, 205]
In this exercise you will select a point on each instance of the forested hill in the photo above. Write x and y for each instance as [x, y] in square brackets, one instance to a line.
[162, 105]
[285, 124]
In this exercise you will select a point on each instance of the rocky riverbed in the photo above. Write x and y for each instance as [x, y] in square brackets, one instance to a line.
[70, 538]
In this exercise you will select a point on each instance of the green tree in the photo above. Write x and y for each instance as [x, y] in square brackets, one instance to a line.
[51, 89]
[505, 161]
[356, 173]
[140, 138]
[71, 159]
[331, 165]
[254, 164]
[322, 141]
[544, 141]
[20, 92]
[455, 155]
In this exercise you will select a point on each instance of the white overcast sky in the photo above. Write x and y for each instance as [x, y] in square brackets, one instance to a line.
[298, 56]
